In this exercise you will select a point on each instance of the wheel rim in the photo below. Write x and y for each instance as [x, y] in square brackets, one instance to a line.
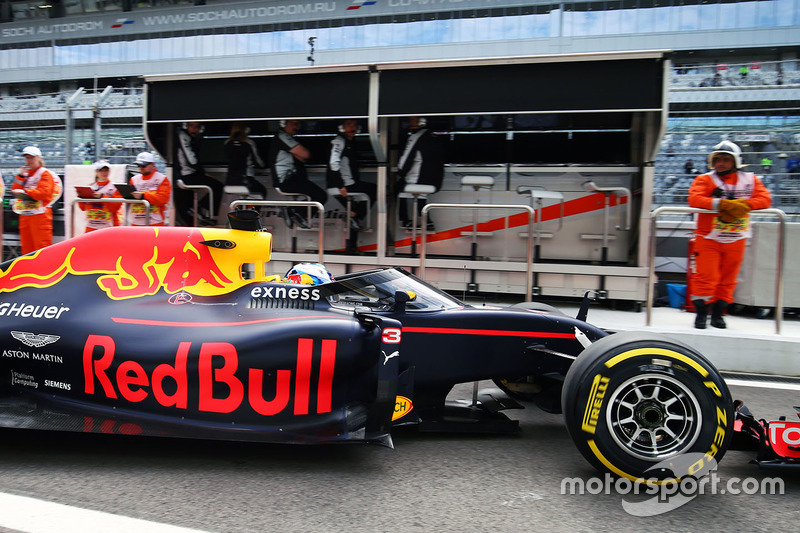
[653, 416]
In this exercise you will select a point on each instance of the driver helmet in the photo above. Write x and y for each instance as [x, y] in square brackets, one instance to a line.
[309, 274]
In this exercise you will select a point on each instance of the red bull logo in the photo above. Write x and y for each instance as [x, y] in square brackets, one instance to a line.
[131, 262]
[218, 362]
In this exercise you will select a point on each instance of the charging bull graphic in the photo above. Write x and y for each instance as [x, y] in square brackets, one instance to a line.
[196, 261]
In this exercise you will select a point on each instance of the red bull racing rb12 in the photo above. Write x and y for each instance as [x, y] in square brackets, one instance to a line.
[157, 331]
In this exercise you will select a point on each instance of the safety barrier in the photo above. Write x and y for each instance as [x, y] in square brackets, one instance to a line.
[779, 259]
[529, 261]
[145, 203]
[273, 203]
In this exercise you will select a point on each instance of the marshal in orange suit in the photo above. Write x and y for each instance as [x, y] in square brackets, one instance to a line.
[720, 238]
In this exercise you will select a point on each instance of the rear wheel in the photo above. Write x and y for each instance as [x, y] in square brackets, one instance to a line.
[631, 401]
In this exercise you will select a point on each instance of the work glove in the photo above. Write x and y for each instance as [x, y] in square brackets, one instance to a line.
[744, 204]
[739, 209]
[725, 207]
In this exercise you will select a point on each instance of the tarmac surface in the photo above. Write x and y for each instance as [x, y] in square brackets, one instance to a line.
[431, 482]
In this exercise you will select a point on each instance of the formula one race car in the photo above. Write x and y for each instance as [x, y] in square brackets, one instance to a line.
[179, 331]
[777, 442]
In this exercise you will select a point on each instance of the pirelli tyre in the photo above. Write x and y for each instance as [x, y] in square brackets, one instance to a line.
[632, 400]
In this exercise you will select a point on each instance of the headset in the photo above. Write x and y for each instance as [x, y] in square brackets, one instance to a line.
[341, 126]
[185, 126]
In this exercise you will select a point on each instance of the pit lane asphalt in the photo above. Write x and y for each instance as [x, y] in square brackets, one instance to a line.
[427, 483]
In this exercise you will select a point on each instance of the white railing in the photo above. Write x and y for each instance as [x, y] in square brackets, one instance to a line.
[778, 260]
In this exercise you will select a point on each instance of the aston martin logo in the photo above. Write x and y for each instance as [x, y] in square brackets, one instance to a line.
[34, 340]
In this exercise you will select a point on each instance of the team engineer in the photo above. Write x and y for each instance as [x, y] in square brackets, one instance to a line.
[343, 174]
[287, 158]
[421, 162]
[190, 138]
[720, 238]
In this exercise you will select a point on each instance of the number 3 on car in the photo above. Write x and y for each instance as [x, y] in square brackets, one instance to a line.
[391, 336]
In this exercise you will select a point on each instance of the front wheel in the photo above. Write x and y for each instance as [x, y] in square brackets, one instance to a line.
[632, 400]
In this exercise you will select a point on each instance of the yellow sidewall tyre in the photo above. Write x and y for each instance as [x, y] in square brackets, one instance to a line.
[632, 400]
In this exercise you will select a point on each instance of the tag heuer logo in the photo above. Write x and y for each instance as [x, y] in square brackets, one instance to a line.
[34, 340]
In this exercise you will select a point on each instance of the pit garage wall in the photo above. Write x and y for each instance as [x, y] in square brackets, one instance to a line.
[628, 87]
[582, 82]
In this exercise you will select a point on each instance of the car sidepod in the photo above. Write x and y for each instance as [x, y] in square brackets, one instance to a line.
[211, 367]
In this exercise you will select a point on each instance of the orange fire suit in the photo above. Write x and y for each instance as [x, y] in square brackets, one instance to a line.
[158, 191]
[43, 187]
[720, 246]
[101, 215]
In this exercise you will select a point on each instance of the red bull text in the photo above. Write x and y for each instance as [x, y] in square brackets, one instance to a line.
[105, 375]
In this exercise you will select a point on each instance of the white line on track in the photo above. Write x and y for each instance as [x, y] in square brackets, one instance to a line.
[30, 515]
[763, 384]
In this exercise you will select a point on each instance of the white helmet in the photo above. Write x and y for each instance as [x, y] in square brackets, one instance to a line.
[309, 274]
[726, 147]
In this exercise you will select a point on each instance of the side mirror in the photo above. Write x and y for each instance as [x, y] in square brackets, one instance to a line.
[400, 299]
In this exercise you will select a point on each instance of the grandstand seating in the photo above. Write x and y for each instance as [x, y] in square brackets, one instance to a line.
[671, 184]
[57, 102]
[701, 76]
